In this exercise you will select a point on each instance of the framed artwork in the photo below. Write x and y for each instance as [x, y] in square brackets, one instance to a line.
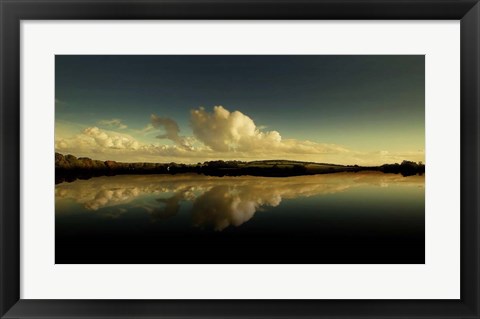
[214, 185]
[239, 159]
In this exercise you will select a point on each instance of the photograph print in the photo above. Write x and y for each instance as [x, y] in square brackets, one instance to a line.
[239, 159]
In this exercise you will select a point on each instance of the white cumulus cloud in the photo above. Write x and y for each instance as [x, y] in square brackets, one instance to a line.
[113, 140]
[217, 134]
[225, 131]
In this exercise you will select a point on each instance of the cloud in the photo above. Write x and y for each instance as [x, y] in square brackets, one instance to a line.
[172, 131]
[102, 144]
[117, 123]
[218, 134]
[97, 140]
[383, 157]
[147, 129]
[225, 131]
[111, 139]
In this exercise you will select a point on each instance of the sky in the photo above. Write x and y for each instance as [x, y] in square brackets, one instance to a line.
[344, 109]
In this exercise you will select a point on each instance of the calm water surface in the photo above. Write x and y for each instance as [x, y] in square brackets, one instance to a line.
[333, 218]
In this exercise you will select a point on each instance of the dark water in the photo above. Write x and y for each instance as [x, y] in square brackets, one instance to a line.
[334, 218]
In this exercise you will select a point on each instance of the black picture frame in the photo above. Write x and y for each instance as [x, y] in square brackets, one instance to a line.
[13, 11]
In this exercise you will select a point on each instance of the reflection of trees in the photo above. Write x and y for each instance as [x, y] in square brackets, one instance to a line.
[406, 168]
[217, 202]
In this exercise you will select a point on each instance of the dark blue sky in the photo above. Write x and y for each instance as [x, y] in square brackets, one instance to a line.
[363, 102]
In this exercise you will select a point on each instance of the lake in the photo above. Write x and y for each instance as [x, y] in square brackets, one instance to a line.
[342, 218]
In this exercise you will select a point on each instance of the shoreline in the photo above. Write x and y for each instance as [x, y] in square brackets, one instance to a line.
[70, 168]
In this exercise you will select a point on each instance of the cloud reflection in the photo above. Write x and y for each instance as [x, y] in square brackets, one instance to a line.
[216, 202]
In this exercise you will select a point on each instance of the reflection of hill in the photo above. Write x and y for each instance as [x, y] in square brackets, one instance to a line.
[218, 202]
